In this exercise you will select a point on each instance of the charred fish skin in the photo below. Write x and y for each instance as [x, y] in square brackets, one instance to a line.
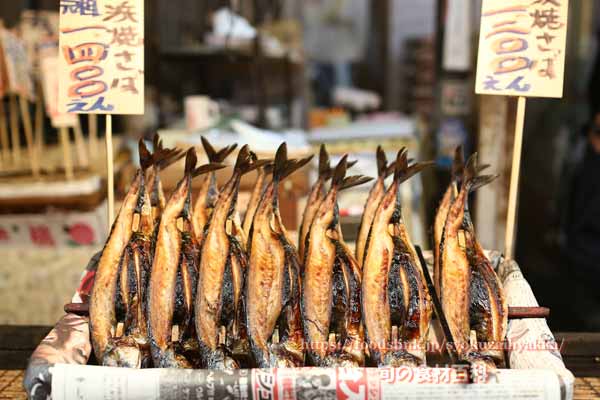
[171, 282]
[375, 195]
[272, 293]
[394, 289]
[104, 292]
[209, 192]
[313, 200]
[442, 214]
[472, 297]
[331, 285]
[220, 279]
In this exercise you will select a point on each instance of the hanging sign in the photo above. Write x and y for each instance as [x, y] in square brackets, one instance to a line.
[17, 65]
[101, 57]
[522, 47]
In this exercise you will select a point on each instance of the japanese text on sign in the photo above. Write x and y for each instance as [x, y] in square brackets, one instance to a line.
[522, 47]
[101, 56]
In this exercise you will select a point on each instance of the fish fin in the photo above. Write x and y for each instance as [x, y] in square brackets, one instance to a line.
[351, 163]
[190, 161]
[481, 180]
[354, 180]
[203, 169]
[284, 167]
[214, 155]
[246, 161]
[482, 167]
[458, 164]
[390, 169]
[382, 167]
[324, 163]
[404, 171]
[340, 171]
[145, 155]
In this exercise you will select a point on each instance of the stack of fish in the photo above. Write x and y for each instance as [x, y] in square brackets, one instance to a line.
[186, 284]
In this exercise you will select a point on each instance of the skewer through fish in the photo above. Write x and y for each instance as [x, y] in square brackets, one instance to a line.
[174, 275]
[103, 300]
[471, 292]
[396, 304]
[331, 285]
[375, 195]
[223, 263]
[209, 192]
[272, 293]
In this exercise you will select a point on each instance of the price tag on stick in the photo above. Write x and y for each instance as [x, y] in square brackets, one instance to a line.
[521, 53]
[101, 63]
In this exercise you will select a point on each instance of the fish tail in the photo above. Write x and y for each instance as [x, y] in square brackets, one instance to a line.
[403, 171]
[206, 168]
[382, 167]
[215, 156]
[340, 171]
[284, 167]
[324, 163]
[146, 160]
[190, 161]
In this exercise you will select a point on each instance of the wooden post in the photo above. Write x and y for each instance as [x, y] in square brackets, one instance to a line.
[39, 122]
[110, 171]
[14, 130]
[513, 194]
[4, 141]
[34, 160]
[65, 143]
[93, 134]
[82, 157]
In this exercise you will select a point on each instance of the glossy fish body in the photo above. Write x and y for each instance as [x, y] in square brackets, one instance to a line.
[209, 192]
[272, 294]
[471, 293]
[394, 292]
[173, 279]
[375, 195]
[103, 299]
[221, 277]
[133, 348]
[331, 287]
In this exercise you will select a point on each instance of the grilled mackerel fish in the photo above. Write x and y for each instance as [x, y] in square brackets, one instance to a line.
[209, 192]
[257, 192]
[173, 278]
[272, 294]
[471, 292]
[396, 303]
[103, 300]
[331, 285]
[375, 195]
[223, 261]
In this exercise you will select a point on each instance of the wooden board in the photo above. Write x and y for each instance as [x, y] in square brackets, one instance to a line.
[522, 47]
[101, 63]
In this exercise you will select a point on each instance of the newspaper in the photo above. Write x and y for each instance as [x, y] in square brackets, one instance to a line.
[57, 368]
[104, 383]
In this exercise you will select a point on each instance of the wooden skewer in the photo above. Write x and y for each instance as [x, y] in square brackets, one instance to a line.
[39, 122]
[80, 150]
[34, 160]
[175, 333]
[65, 143]
[4, 141]
[14, 129]
[93, 134]
[110, 177]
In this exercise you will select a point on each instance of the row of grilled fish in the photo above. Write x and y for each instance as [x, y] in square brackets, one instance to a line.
[187, 285]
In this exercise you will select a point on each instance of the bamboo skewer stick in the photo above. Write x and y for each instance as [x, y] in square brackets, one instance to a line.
[66, 148]
[93, 134]
[4, 141]
[513, 194]
[110, 178]
[82, 154]
[39, 122]
[34, 160]
[14, 130]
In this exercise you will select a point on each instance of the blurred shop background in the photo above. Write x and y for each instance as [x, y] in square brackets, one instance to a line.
[352, 74]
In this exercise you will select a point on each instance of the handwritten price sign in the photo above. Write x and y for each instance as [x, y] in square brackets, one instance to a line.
[101, 61]
[522, 47]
